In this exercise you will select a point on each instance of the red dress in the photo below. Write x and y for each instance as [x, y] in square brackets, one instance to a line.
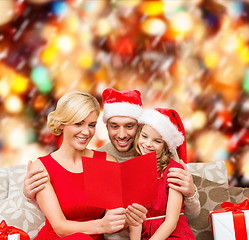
[69, 188]
[158, 208]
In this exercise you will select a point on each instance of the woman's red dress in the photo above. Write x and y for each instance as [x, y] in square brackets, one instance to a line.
[69, 188]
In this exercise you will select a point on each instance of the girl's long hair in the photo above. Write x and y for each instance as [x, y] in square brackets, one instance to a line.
[162, 158]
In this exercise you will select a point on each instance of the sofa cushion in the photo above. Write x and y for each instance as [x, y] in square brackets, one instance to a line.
[19, 213]
[238, 194]
[215, 171]
[16, 177]
[15, 209]
[212, 194]
[4, 183]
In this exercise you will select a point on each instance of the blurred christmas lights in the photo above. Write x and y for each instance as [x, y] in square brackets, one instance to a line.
[189, 55]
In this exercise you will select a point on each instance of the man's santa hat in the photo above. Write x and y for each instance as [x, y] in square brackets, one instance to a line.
[168, 124]
[121, 103]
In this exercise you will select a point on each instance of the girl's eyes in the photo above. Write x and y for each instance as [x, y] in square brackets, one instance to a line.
[157, 141]
[78, 124]
[92, 125]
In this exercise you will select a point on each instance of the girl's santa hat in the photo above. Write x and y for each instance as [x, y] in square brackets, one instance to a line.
[168, 124]
[121, 103]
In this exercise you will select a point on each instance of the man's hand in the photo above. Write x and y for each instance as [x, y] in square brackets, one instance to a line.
[135, 214]
[183, 178]
[34, 181]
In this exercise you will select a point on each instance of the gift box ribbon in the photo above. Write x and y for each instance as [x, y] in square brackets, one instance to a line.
[238, 217]
[6, 230]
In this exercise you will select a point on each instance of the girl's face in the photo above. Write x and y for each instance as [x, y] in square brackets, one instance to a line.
[150, 140]
[78, 135]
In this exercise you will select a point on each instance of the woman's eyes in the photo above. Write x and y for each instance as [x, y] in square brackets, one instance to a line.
[90, 125]
[144, 136]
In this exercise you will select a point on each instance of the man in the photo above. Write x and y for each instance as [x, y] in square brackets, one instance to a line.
[121, 111]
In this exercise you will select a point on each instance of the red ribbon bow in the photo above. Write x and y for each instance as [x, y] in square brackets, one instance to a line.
[238, 217]
[6, 230]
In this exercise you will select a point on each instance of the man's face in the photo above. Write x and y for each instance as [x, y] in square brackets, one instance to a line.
[122, 131]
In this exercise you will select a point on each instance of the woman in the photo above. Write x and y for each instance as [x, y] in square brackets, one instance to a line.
[62, 200]
[158, 131]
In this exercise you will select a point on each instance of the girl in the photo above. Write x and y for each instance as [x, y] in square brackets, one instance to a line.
[62, 200]
[158, 131]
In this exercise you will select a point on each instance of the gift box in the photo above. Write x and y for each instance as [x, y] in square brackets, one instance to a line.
[15, 236]
[231, 222]
[12, 233]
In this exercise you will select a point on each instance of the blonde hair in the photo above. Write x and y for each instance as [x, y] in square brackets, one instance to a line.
[73, 107]
[162, 157]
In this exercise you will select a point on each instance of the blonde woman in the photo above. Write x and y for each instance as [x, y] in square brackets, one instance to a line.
[62, 200]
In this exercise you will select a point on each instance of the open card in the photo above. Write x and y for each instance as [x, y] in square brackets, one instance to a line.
[110, 184]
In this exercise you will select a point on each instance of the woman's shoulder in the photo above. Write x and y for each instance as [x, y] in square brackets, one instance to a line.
[36, 164]
[39, 162]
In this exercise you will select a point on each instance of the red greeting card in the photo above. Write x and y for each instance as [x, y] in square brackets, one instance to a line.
[110, 184]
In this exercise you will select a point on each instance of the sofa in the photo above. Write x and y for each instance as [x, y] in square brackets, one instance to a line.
[210, 179]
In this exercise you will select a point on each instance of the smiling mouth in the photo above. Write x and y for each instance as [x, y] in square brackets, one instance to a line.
[146, 150]
[122, 143]
[82, 140]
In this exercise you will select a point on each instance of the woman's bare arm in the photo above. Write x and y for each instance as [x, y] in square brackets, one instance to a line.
[113, 220]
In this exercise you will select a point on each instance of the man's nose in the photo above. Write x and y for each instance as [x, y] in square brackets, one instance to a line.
[122, 133]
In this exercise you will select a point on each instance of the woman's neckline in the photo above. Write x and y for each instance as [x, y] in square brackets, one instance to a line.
[64, 167]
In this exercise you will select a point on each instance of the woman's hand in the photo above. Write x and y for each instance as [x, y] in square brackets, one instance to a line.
[34, 181]
[114, 220]
[135, 214]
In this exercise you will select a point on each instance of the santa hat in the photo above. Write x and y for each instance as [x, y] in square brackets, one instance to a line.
[168, 124]
[121, 103]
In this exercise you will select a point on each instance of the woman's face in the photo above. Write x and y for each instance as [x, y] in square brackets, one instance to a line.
[78, 135]
[150, 140]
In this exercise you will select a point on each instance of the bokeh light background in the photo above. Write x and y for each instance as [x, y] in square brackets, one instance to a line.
[190, 55]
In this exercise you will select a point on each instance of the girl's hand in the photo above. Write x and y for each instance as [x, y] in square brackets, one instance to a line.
[114, 220]
[135, 214]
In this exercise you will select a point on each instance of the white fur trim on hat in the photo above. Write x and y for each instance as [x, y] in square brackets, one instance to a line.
[163, 126]
[123, 109]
